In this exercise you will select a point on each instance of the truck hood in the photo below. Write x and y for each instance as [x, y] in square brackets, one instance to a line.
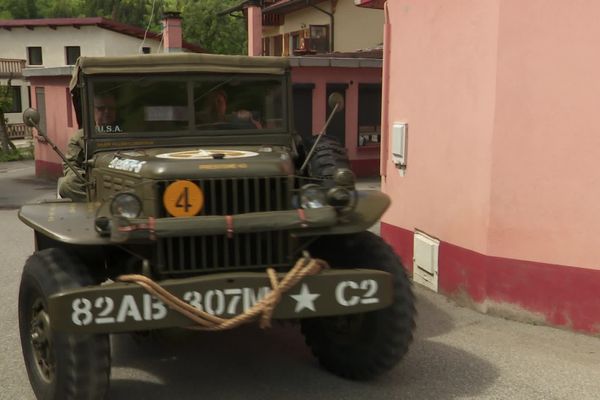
[199, 162]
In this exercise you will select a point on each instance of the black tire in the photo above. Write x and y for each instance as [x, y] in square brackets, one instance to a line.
[60, 366]
[328, 156]
[362, 346]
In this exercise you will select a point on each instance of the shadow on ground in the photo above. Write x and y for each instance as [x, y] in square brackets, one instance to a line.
[251, 364]
[431, 320]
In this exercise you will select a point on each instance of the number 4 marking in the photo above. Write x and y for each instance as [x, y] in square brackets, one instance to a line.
[183, 201]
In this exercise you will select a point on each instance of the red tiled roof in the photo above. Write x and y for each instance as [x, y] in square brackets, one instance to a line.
[109, 24]
[370, 3]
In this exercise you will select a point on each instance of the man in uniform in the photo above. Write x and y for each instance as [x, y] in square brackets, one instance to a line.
[105, 116]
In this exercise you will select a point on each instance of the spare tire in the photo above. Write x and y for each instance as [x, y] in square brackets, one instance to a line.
[328, 156]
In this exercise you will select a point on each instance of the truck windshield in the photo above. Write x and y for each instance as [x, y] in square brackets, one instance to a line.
[195, 105]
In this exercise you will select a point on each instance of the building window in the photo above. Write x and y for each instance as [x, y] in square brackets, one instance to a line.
[34, 56]
[369, 114]
[146, 50]
[319, 38]
[295, 41]
[72, 54]
[285, 43]
[69, 108]
[267, 46]
[40, 104]
[278, 45]
[14, 93]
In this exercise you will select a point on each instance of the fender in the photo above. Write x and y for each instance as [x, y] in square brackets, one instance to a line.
[370, 206]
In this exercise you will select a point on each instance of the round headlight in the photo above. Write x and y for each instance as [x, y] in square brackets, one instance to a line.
[344, 177]
[339, 197]
[312, 196]
[126, 205]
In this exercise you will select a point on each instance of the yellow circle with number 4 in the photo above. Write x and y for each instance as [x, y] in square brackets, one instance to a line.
[183, 199]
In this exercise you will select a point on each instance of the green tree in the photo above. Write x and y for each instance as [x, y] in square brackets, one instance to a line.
[18, 9]
[223, 35]
[5, 106]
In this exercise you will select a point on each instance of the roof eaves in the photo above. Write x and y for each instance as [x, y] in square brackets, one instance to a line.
[370, 3]
[335, 62]
[48, 71]
[48, 22]
[287, 6]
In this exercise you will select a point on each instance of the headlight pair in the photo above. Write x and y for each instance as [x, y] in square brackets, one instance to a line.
[315, 196]
[126, 205]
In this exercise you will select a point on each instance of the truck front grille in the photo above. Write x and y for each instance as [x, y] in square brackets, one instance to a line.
[239, 195]
[204, 254]
[250, 251]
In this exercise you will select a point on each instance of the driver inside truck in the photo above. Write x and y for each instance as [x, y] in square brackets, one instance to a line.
[216, 105]
[105, 119]
[105, 113]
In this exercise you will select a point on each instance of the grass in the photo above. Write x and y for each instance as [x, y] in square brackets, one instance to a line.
[17, 155]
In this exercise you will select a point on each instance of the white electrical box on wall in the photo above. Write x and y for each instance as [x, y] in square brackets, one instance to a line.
[425, 260]
[399, 131]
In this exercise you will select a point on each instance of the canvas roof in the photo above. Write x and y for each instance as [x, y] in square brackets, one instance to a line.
[177, 63]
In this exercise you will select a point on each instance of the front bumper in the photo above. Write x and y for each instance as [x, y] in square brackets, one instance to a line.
[125, 230]
[73, 223]
[123, 307]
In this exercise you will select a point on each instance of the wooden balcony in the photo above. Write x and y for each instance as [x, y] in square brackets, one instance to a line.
[269, 19]
[10, 68]
[18, 131]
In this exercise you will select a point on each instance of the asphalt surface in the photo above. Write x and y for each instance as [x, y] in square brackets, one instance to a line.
[457, 353]
[19, 185]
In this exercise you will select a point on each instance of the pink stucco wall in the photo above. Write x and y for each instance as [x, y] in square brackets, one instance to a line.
[501, 100]
[57, 104]
[320, 76]
[442, 82]
[545, 197]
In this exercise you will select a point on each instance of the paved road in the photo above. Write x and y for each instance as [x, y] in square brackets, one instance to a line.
[19, 185]
[457, 353]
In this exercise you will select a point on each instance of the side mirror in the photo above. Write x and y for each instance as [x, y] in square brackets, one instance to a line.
[336, 99]
[31, 117]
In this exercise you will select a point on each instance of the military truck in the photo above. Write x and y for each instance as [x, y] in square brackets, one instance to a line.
[199, 215]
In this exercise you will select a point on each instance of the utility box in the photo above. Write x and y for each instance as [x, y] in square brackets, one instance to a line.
[425, 260]
[399, 144]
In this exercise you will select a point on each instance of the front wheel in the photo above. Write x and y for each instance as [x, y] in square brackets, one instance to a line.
[362, 346]
[59, 365]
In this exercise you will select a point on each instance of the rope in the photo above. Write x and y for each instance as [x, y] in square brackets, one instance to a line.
[263, 310]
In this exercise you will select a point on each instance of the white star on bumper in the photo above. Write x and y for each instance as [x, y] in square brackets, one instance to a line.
[305, 299]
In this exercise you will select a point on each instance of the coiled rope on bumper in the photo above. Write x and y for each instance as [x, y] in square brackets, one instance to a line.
[263, 309]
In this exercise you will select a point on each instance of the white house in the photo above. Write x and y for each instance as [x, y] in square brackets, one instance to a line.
[53, 45]
[50, 48]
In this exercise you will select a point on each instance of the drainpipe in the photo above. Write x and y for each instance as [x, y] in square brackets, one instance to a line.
[385, 91]
[331, 22]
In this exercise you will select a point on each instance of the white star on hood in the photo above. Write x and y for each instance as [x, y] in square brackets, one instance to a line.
[305, 299]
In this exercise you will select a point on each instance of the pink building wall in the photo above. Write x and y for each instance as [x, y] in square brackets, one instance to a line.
[500, 98]
[548, 92]
[364, 160]
[58, 105]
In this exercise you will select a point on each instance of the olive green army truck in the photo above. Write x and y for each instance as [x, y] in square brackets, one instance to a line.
[204, 210]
